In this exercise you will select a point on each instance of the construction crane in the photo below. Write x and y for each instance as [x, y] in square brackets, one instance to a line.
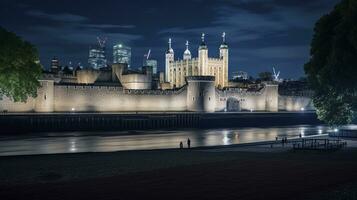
[147, 55]
[101, 41]
[276, 75]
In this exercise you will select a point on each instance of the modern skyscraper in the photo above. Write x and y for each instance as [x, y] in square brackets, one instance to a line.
[152, 63]
[55, 67]
[121, 54]
[97, 57]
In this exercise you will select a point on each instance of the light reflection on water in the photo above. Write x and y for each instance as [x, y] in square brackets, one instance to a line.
[71, 142]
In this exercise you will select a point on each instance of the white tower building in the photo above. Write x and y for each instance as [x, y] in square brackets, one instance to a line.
[223, 54]
[203, 57]
[169, 58]
[187, 53]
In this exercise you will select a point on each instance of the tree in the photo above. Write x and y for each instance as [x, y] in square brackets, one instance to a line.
[19, 67]
[332, 69]
[265, 76]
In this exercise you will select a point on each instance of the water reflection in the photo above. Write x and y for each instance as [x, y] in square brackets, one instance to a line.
[70, 142]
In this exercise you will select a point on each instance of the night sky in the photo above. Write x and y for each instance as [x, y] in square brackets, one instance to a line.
[260, 33]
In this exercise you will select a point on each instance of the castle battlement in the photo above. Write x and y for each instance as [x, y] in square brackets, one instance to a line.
[215, 59]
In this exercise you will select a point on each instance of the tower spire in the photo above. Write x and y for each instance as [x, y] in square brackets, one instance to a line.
[187, 53]
[169, 49]
[203, 44]
[224, 43]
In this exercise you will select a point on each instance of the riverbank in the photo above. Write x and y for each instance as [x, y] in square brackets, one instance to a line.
[227, 173]
[45, 122]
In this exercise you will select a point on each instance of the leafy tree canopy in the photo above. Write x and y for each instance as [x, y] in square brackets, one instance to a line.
[332, 69]
[19, 67]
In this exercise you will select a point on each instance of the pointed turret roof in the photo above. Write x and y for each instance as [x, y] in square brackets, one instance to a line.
[187, 51]
[224, 43]
[203, 43]
[169, 49]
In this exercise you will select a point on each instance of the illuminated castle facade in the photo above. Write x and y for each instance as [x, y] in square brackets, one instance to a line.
[177, 70]
[195, 84]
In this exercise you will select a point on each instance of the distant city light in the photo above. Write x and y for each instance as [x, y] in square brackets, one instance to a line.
[335, 130]
[320, 131]
[225, 138]
[302, 108]
[73, 109]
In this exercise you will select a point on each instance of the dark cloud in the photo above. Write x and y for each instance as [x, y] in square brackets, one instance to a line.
[261, 33]
[62, 17]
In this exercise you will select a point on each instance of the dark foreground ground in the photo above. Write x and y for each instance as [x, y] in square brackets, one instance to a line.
[188, 174]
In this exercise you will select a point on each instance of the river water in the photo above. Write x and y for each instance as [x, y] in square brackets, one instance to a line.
[73, 142]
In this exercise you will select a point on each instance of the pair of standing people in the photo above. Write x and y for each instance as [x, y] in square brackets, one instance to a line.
[188, 143]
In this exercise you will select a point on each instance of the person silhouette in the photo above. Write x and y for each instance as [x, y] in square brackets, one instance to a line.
[188, 143]
[181, 145]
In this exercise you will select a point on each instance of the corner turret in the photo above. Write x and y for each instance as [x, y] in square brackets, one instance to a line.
[187, 53]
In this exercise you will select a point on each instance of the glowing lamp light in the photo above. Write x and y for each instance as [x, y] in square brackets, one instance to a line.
[73, 109]
[302, 108]
[335, 130]
[320, 131]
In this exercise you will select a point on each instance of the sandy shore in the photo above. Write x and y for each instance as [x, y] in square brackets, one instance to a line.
[236, 172]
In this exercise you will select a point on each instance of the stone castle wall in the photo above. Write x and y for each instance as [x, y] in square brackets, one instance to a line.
[236, 99]
[109, 99]
[199, 95]
[7, 105]
[295, 103]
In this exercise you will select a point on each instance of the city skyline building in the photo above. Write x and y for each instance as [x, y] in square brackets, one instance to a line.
[97, 58]
[240, 75]
[122, 54]
[152, 63]
[55, 67]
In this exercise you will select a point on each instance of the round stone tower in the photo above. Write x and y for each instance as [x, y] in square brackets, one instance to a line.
[201, 95]
[45, 96]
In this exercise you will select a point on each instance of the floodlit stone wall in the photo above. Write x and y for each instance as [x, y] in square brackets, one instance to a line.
[295, 103]
[110, 99]
[7, 105]
[200, 95]
[236, 99]
[87, 76]
[45, 94]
